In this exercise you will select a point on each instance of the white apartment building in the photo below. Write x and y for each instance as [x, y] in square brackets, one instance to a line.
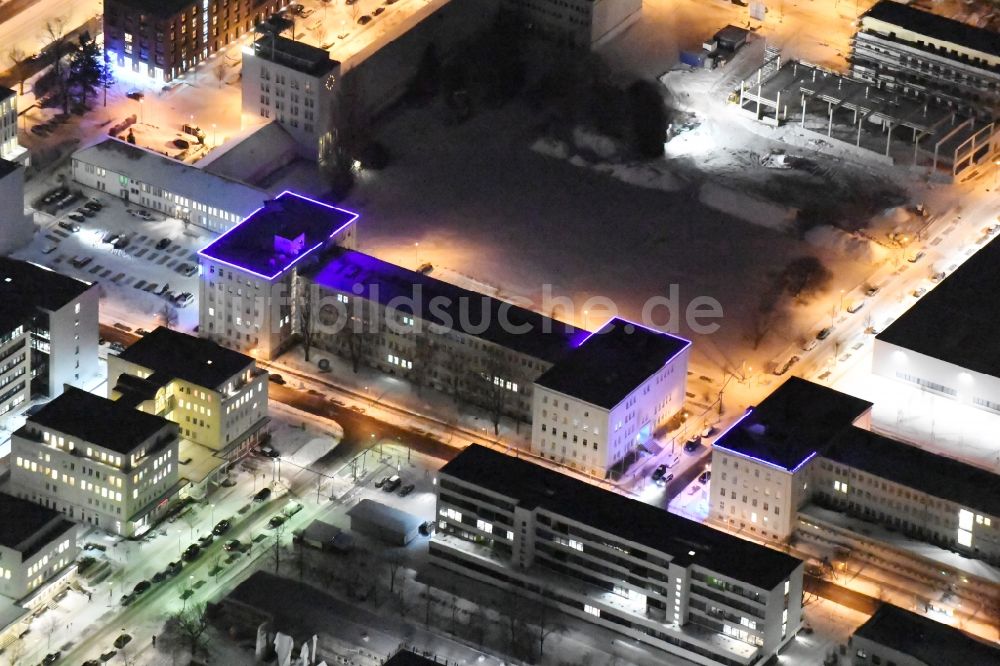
[97, 462]
[808, 444]
[145, 178]
[293, 84]
[48, 333]
[655, 578]
[897, 637]
[10, 149]
[586, 23]
[249, 275]
[919, 53]
[608, 396]
[35, 548]
[451, 339]
[217, 396]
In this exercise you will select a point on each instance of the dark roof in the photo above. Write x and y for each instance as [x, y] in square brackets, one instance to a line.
[33, 527]
[182, 356]
[534, 486]
[446, 305]
[161, 8]
[407, 658]
[7, 167]
[612, 362]
[27, 287]
[250, 244]
[297, 55]
[793, 423]
[97, 420]
[954, 321]
[937, 27]
[939, 476]
[5, 93]
[929, 642]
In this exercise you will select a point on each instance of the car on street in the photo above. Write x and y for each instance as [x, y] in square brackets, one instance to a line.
[86, 212]
[135, 94]
[381, 482]
[665, 479]
[142, 586]
[937, 277]
[378, 10]
[122, 641]
[659, 472]
[705, 476]
[163, 244]
[268, 451]
[109, 655]
[693, 489]
[393, 483]
[233, 544]
[276, 378]
[92, 662]
[262, 495]
[276, 520]
[692, 444]
[406, 490]
[855, 306]
[809, 345]
[159, 576]
[191, 552]
[127, 599]
[365, 20]
[919, 291]
[52, 657]
[174, 568]
[71, 227]
[221, 527]
[824, 333]
[76, 217]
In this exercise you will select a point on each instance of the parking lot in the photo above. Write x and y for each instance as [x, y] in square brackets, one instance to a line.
[141, 263]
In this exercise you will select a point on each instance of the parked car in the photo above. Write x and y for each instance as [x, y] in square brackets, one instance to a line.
[262, 495]
[919, 291]
[937, 277]
[191, 552]
[233, 544]
[378, 10]
[365, 20]
[276, 520]
[855, 306]
[141, 332]
[81, 261]
[48, 248]
[659, 472]
[824, 333]
[122, 641]
[665, 479]
[76, 217]
[692, 444]
[221, 527]
[174, 568]
[160, 576]
[127, 599]
[93, 204]
[163, 244]
[276, 378]
[72, 227]
[393, 483]
[135, 94]
[86, 212]
[52, 657]
[787, 365]
[872, 290]
[184, 299]
[406, 490]
[381, 482]
[142, 586]
[427, 528]
[916, 257]
[707, 430]
[269, 451]
[705, 476]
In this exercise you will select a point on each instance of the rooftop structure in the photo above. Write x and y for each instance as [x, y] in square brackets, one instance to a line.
[182, 356]
[92, 418]
[793, 424]
[685, 541]
[609, 364]
[922, 639]
[297, 55]
[34, 527]
[26, 287]
[937, 27]
[454, 308]
[279, 234]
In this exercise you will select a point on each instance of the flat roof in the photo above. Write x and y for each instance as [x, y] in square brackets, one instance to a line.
[612, 362]
[156, 7]
[792, 424]
[927, 641]
[448, 306]
[407, 658]
[384, 516]
[98, 420]
[186, 357]
[26, 287]
[188, 181]
[533, 486]
[296, 55]
[33, 524]
[940, 476]
[937, 27]
[955, 321]
[250, 245]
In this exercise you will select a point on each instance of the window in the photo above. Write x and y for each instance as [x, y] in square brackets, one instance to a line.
[596, 612]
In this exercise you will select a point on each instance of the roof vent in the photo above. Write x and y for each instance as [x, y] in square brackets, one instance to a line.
[757, 428]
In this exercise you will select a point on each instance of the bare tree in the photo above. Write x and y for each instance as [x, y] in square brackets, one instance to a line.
[220, 73]
[279, 531]
[511, 612]
[393, 564]
[805, 276]
[168, 315]
[478, 620]
[492, 384]
[425, 355]
[764, 316]
[544, 617]
[18, 60]
[57, 45]
[428, 601]
[189, 625]
[354, 8]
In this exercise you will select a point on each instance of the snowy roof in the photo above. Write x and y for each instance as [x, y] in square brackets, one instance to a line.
[448, 306]
[295, 55]
[932, 25]
[242, 156]
[794, 423]
[186, 357]
[161, 171]
[613, 362]
[955, 321]
[35, 527]
[252, 245]
[26, 287]
[686, 542]
[925, 640]
[91, 418]
[384, 516]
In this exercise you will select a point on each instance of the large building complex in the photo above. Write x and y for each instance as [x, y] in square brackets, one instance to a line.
[48, 333]
[918, 53]
[293, 84]
[97, 461]
[162, 40]
[939, 345]
[585, 23]
[35, 548]
[155, 181]
[217, 396]
[608, 396]
[896, 636]
[809, 444]
[653, 577]
[250, 283]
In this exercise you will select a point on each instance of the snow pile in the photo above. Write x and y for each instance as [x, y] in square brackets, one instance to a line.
[654, 176]
[602, 146]
[845, 244]
[551, 148]
[747, 207]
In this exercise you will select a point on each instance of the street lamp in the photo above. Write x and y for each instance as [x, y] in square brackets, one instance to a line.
[416, 253]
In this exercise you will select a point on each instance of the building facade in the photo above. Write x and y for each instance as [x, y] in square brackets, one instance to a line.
[250, 284]
[161, 41]
[217, 397]
[148, 179]
[97, 462]
[582, 23]
[10, 148]
[35, 548]
[48, 333]
[293, 84]
[608, 396]
[669, 583]
[17, 226]
[919, 53]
